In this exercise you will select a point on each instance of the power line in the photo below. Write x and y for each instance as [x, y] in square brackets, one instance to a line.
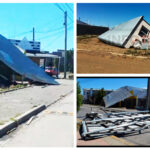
[48, 31]
[59, 7]
[55, 32]
[53, 41]
[69, 7]
[70, 18]
[51, 34]
[23, 33]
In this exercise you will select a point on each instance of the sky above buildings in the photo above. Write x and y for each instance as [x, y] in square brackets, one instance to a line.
[112, 83]
[111, 14]
[18, 19]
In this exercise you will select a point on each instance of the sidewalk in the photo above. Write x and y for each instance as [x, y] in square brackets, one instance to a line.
[15, 103]
[96, 142]
[52, 127]
[106, 141]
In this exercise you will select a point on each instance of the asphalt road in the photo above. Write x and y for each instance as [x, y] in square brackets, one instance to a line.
[139, 139]
[52, 127]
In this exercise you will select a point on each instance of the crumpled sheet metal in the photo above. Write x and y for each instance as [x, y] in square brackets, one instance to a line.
[18, 62]
[123, 93]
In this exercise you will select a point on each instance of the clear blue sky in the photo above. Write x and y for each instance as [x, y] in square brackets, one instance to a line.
[17, 21]
[111, 14]
[112, 83]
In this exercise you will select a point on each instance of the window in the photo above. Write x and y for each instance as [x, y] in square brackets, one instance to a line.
[143, 31]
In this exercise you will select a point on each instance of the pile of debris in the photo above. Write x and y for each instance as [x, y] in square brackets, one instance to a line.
[100, 125]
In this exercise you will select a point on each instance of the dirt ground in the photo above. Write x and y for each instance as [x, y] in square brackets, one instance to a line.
[94, 56]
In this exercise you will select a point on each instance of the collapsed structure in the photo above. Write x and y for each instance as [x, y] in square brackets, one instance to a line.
[136, 96]
[134, 33]
[12, 57]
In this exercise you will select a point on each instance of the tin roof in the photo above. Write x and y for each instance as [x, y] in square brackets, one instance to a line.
[119, 34]
[123, 93]
[17, 61]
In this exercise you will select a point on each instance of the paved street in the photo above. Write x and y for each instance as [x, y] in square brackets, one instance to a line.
[14, 103]
[52, 127]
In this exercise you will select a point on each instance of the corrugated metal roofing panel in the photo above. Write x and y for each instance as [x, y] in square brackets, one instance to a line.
[116, 96]
[120, 33]
[123, 93]
[139, 92]
[17, 61]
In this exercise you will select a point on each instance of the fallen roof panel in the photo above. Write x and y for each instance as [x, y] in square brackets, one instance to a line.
[120, 33]
[17, 61]
[123, 93]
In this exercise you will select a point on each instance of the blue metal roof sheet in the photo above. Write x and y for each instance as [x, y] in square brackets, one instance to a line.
[17, 61]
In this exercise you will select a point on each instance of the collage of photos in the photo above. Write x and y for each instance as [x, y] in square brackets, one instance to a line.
[74, 75]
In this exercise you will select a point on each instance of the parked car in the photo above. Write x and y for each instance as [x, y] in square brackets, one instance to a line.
[52, 71]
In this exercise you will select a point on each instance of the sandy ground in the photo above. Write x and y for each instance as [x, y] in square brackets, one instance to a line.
[52, 127]
[94, 56]
[17, 102]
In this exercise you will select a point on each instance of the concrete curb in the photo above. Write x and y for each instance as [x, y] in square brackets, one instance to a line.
[11, 125]
[6, 128]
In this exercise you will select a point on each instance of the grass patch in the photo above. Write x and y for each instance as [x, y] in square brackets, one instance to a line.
[12, 119]
[34, 106]
[136, 52]
[13, 87]
[17, 115]
[2, 123]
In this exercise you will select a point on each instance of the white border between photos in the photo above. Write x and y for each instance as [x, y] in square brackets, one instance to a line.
[75, 61]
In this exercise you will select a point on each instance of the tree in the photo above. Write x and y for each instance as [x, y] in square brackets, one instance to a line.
[79, 96]
[69, 63]
[69, 56]
[99, 97]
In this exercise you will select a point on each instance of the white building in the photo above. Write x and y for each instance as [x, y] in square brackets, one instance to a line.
[26, 45]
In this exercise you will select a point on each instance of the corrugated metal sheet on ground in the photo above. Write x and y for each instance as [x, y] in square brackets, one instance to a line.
[17, 61]
[123, 93]
[120, 33]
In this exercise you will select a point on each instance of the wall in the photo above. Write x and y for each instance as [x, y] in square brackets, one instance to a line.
[90, 30]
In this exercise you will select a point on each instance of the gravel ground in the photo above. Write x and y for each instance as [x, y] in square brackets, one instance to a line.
[17, 102]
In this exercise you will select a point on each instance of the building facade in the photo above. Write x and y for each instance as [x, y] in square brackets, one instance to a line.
[26, 45]
[88, 94]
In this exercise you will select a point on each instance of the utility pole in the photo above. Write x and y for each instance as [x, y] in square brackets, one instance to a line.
[33, 34]
[148, 95]
[65, 57]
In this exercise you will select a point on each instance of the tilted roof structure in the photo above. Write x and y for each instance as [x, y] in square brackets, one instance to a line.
[19, 63]
[123, 93]
[123, 34]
